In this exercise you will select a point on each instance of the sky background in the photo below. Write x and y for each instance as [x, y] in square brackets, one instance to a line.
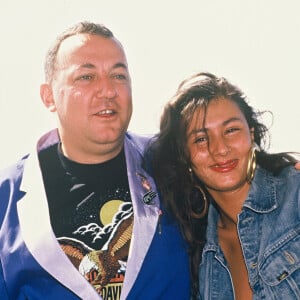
[255, 44]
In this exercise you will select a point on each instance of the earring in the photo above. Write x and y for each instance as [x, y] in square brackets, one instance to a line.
[251, 164]
[204, 200]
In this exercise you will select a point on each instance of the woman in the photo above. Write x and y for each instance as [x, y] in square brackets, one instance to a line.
[211, 148]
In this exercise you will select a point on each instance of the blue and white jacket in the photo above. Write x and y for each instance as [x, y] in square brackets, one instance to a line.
[32, 264]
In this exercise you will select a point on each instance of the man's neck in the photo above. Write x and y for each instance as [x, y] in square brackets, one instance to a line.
[88, 155]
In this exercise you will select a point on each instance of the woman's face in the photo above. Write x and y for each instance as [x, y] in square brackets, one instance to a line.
[219, 144]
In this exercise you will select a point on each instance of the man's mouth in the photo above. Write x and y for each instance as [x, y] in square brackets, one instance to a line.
[106, 112]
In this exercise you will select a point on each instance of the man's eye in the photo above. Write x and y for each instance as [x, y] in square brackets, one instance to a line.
[86, 77]
[120, 76]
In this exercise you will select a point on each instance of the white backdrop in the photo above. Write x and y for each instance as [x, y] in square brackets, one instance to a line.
[255, 44]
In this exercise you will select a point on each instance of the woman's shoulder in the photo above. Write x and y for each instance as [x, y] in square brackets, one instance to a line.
[290, 173]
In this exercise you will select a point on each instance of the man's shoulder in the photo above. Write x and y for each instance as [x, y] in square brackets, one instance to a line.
[141, 141]
[10, 179]
[14, 171]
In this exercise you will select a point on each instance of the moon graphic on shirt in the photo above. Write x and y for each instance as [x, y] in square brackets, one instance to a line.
[108, 210]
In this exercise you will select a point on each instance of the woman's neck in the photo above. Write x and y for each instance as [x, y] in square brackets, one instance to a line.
[230, 204]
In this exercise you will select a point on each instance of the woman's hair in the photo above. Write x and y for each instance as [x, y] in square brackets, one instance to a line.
[170, 160]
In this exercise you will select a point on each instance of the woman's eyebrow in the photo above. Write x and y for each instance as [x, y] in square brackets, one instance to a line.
[205, 129]
[233, 119]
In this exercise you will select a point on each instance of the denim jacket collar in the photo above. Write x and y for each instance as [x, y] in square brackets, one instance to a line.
[263, 202]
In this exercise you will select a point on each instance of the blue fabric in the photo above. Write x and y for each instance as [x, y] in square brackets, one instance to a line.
[160, 272]
[269, 231]
[170, 277]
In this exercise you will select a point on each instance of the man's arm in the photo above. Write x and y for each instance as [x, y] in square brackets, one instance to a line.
[3, 291]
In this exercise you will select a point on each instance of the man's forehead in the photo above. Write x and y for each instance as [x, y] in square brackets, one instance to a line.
[80, 41]
[73, 42]
[78, 47]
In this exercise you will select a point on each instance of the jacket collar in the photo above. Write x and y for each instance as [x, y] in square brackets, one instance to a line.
[146, 212]
[41, 241]
[38, 235]
[262, 194]
[261, 199]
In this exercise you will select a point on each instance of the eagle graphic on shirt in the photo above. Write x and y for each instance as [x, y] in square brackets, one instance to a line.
[103, 266]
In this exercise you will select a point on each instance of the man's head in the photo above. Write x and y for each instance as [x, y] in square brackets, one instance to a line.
[88, 86]
[79, 28]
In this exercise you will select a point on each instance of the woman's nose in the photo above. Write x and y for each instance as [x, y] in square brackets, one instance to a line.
[218, 146]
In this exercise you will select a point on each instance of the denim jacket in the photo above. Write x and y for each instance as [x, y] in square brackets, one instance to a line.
[269, 232]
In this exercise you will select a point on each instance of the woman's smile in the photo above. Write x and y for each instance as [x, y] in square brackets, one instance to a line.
[226, 166]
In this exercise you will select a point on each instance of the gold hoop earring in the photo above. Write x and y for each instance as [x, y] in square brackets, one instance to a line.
[205, 204]
[251, 165]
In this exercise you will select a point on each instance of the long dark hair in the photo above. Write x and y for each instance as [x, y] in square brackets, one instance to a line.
[170, 158]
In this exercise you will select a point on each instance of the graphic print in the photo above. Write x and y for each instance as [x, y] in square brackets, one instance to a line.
[104, 268]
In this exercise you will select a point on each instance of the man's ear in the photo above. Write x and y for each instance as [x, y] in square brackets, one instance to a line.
[47, 97]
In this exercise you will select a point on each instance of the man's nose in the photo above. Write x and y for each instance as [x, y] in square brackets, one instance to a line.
[106, 88]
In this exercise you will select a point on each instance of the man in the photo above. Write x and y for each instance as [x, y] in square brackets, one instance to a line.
[79, 217]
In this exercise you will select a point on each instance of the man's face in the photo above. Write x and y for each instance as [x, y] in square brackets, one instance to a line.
[91, 93]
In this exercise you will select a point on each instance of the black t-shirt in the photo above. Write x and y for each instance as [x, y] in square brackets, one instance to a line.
[90, 212]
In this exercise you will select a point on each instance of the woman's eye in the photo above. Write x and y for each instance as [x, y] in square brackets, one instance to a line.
[201, 139]
[232, 130]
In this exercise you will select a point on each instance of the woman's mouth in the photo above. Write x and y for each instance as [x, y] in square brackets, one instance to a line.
[226, 166]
